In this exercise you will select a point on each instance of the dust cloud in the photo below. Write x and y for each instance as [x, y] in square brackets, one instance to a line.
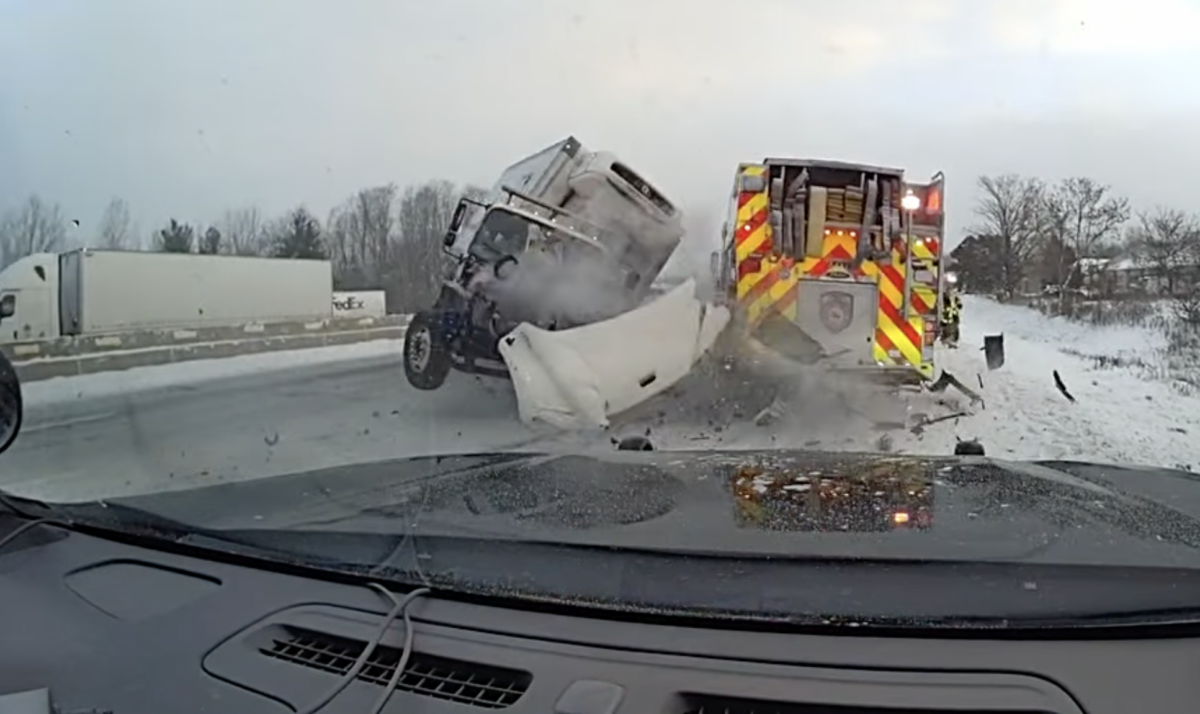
[702, 236]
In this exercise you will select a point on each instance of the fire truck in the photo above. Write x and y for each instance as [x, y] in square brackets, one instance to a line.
[837, 263]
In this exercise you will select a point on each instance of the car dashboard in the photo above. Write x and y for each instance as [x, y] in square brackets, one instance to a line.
[96, 625]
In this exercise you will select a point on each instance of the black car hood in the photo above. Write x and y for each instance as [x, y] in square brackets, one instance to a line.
[780, 502]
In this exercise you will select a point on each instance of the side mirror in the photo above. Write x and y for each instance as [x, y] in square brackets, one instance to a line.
[456, 223]
[8, 306]
[12, 406]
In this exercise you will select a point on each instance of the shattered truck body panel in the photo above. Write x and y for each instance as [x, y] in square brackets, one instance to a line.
[838, 264]
[579, 378]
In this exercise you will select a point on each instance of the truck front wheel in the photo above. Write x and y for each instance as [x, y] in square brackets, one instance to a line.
[426, 362]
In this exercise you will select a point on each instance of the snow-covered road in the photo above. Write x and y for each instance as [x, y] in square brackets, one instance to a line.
[141, 430]
[177, 426]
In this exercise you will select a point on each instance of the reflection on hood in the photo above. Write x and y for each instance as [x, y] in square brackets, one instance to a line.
[889, 493]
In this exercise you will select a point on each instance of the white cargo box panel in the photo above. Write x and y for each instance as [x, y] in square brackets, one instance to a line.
[117, 291]
[543, 175]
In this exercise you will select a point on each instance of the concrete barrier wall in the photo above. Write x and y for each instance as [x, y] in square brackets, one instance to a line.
[89, 355]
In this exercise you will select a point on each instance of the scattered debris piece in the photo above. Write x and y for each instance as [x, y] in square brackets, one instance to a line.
[970, 447]
[635, 443]
[1062, 388]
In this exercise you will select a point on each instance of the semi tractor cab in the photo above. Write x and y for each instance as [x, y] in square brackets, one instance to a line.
[635, 222]
[566, 237]
[837, 263]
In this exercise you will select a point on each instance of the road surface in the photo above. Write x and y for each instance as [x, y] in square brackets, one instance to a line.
[138, 433]
[106, 442]
[250, 426]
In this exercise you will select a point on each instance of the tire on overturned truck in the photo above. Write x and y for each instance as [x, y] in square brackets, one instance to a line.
[426, 359]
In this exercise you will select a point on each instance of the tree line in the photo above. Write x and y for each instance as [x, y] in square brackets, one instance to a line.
[382, 237]
[1031, 236]
[1028, 235]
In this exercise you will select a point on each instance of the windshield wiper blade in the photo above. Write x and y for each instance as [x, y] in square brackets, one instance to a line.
[259, 544]
[25, 507]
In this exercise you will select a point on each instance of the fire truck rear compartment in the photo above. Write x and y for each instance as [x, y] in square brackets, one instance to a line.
[807, 198]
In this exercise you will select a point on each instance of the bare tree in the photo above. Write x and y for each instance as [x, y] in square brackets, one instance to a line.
[1165, 238]
[360, 235]
[422, 218]
[1085, 215]
[1011, 212]
[34, 227]
[242, 232]
[115, 231]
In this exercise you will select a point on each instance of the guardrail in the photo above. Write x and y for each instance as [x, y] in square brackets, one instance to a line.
[89, 355]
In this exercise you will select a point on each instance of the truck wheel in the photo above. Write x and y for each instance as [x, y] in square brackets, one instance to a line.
[426, 363]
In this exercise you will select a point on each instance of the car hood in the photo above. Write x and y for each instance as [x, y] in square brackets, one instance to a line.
[781, 502]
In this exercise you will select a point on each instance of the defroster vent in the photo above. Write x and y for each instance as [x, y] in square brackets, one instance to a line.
[475, 685]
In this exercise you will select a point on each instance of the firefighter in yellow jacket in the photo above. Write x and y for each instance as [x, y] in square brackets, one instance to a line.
[951, 315]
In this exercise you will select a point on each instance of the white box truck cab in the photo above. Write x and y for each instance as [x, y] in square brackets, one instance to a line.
[565, 237]
[29, 300]
[552, 288]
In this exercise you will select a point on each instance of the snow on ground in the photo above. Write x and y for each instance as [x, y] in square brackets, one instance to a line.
[1119, 414]
[1132, 342]
[103, 384]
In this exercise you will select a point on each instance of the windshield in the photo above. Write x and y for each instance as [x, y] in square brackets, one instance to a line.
[227, 297]
[501, 234]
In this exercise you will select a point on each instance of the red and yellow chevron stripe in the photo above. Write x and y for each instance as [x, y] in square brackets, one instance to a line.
[898, 338]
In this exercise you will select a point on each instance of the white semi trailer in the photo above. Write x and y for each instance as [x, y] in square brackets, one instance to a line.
[46, 296]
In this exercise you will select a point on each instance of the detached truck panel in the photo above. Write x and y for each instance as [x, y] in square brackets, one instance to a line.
[118, 291]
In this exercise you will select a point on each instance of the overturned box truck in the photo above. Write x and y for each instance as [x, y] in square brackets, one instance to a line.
[551, 288]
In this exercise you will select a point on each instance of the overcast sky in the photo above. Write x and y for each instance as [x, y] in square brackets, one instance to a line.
[188, 107]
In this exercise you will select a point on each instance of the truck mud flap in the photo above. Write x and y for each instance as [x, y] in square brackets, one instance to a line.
[578, 378]
[993, 351]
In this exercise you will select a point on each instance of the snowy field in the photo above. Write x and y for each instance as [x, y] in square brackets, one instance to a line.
[175, 426]
[1126, 410]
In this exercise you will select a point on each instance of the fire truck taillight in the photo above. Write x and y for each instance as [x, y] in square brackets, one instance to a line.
[900, 518]
[930, 333]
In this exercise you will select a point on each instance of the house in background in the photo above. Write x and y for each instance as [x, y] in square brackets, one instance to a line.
[1131, 275]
